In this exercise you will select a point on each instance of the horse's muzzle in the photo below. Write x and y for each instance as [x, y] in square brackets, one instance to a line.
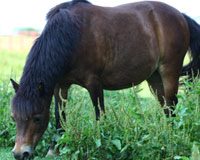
[25, 152]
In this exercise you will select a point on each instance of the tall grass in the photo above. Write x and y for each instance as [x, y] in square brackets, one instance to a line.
[134, 128]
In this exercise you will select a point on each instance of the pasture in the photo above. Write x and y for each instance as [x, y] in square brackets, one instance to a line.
[135, 126]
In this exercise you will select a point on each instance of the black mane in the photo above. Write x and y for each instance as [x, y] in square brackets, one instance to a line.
[65, 5]
[48, 59]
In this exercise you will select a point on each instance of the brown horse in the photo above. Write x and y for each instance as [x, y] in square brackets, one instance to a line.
[100, 48]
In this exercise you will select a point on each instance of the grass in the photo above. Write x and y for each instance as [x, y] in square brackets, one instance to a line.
[134, 128]
[11, 64]
[5, 154]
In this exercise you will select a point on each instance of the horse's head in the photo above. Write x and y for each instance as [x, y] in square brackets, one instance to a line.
[30, 124]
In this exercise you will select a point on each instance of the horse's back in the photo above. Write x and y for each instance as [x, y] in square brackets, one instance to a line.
[126, 44]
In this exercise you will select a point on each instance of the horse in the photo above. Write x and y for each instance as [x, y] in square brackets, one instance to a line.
[99, 48]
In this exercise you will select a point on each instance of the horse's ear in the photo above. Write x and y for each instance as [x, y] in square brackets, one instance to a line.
[41, 88]
[14, 84]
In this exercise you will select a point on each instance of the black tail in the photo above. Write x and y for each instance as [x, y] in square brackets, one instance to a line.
[193, 68]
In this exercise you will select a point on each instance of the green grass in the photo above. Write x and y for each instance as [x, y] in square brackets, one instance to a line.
[11, 64]
[5, 154]
[134, 128]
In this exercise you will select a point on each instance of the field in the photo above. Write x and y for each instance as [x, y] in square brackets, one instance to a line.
[134, 128]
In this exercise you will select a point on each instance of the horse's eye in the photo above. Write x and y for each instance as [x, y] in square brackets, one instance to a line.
[37, 119]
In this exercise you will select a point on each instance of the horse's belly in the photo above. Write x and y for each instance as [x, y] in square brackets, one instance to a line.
[124, 79]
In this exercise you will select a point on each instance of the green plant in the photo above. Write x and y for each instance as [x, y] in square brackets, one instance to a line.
[7, 128]
[134, 128]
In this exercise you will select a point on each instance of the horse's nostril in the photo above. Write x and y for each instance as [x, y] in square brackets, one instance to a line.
[17, 155]
[26, 154]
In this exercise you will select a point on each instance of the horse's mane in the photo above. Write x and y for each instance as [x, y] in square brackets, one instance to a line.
[48, 59]
[65, 5]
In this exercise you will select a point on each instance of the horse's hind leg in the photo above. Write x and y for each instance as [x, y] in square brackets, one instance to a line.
[156, 84]
[165, 86]
[170, 78]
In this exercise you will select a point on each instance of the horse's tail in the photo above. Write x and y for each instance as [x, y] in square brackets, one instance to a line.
[192, 69]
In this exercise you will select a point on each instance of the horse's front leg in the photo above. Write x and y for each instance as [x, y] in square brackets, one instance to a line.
[60, 96]
[95, 90]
